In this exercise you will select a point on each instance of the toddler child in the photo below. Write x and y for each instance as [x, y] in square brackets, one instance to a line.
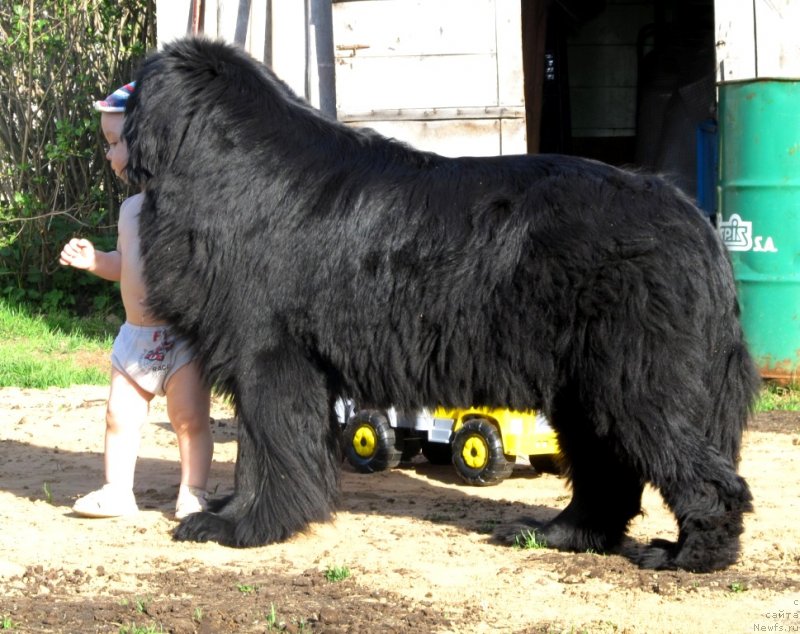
[146, 360]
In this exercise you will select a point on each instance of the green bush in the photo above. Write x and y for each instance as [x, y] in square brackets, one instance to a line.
[56, 57]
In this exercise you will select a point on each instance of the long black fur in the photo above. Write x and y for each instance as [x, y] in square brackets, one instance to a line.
[305, 260]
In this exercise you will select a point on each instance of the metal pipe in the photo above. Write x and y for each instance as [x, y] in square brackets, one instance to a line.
[320, 42]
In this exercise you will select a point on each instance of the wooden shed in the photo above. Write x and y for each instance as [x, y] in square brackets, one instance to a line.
[445, 75]
[624, 81]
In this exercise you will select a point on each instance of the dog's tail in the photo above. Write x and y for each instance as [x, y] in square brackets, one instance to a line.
[734, 383]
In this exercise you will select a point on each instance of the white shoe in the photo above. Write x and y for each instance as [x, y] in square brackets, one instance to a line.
[190, 500]
[110, 501]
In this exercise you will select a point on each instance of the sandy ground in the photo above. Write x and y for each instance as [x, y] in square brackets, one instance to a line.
[415, 540]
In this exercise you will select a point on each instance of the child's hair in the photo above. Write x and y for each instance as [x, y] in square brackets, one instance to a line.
[116, 101]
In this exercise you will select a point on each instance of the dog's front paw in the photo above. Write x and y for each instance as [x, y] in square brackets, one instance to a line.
[205, 527]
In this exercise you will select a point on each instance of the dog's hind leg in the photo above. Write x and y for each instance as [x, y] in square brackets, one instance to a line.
[287, 465]
[700, 486]
[688, 445]
[708, 499]
[653, 440]
[606, 494]
[663, 437]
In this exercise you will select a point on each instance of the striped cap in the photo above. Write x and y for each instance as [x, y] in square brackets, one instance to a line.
[116, 101]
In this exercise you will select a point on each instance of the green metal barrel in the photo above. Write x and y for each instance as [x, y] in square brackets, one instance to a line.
[759, 204]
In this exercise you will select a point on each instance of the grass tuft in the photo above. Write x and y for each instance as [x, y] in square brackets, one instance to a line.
[337, 573]
[272, 618]
[529, 540]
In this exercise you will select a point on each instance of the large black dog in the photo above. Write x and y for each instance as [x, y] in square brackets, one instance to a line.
[306, 260]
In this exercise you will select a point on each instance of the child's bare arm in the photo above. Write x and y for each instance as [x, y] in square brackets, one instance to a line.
[81, 254]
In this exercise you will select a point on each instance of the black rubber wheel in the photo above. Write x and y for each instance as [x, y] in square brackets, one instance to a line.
[370, 443]
[437, 452]
[478, 454]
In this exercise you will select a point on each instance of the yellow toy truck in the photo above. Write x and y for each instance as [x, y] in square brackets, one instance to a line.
[482, 444]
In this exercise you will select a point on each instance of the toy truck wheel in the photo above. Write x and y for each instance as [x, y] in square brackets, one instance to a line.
[370, 443]
[437, 452]
[478, 454]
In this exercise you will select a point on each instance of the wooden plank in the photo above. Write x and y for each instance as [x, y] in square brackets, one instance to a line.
[777, 44]
[510, 76]
[735, 38]
[393, 28]
[449, 138]
[434, 114]
[757, 39]
[370, 83]
[513, 136]
[462, 137]
[443, 75]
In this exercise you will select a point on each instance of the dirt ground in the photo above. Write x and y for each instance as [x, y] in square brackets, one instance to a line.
[416, 542]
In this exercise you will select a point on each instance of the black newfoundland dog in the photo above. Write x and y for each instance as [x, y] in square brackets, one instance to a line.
[306, 260]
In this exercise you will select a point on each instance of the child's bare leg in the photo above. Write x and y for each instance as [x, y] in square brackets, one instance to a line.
[188, 408]
[127, 411]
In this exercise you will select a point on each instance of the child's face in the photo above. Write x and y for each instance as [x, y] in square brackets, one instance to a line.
[117, 154]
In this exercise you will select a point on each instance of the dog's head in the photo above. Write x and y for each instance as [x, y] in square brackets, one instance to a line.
[194, 89]
[153, 122]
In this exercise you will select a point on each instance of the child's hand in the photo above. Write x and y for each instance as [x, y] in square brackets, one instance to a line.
[78, 253]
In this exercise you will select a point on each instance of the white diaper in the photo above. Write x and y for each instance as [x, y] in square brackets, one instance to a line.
[149, 355]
